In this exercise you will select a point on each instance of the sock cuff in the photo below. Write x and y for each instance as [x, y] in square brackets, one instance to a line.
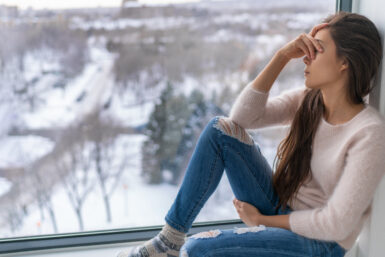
[173, 235]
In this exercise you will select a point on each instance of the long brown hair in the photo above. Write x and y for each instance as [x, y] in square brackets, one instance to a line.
[358, 41]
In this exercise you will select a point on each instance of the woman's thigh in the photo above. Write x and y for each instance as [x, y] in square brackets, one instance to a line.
[258, 241]
[248, 172]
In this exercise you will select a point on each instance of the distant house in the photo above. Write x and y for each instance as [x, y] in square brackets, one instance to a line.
[130, 3]
[8, 11]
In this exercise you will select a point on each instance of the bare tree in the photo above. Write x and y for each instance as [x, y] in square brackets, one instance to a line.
[109, 165]
[74, 167]
[43, 195]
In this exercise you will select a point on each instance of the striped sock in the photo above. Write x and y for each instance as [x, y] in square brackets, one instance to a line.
[166, 244]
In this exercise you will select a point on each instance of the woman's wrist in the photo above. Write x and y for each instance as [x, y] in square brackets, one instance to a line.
[282, 55]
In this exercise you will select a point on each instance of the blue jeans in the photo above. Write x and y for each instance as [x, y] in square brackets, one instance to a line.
[250, 177]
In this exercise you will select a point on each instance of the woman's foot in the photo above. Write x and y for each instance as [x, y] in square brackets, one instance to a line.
[166, 244]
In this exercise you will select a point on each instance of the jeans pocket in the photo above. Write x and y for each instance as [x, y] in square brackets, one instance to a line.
[337, 251]
[331, 249]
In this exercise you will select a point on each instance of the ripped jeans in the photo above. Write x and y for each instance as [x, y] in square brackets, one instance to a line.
[224, 145]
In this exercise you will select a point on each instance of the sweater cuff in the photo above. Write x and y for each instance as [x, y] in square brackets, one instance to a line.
[249, 86]
[251, 98]
[299, 221]
[249, 104]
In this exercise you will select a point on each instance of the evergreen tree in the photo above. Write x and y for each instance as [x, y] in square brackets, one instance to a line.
[155, 130]
[190, 132]
[179, 112]
[173, 130]
[164, 132]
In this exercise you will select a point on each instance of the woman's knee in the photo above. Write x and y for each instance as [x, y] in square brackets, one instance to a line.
[198, 244]
[189, 248]
[230, 128]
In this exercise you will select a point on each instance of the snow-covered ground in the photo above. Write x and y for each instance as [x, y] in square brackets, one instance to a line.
[81, 95]
[5, 185]
[21, 151]
[133, 204]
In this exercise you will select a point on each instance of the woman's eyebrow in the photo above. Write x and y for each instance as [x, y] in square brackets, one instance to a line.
[319, 40]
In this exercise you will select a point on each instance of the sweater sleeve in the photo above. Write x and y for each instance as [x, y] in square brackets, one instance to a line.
[252, 109]
[353, 194]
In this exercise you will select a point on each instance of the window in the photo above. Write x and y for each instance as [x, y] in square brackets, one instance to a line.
[102, 105]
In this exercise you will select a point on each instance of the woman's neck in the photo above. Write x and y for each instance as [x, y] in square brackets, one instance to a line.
[341, 114]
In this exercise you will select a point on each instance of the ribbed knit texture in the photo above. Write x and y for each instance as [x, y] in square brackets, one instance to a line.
[347, 164]
[166, 244]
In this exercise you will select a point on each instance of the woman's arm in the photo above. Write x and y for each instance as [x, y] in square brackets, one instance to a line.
[264, 81]
[252, 109]
[251, 216]
[278, 221]
[353, 194]
[304, 44]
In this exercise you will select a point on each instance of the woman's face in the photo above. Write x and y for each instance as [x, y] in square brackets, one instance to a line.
[325, 70]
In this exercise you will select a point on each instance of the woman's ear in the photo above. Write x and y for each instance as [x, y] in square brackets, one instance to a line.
[344, 65]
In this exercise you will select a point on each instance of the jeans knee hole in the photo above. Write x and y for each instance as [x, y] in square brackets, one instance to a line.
[207, 234]
[249, 229]
[230, 128]
[184, 253]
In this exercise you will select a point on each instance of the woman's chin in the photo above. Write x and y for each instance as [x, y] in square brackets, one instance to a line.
[308, 85]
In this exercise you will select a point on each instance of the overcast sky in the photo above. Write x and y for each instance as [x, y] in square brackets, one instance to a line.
[59, 4]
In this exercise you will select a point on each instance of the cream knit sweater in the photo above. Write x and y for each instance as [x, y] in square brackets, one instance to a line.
[347, 164]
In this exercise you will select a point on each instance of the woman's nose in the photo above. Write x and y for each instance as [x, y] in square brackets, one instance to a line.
[306, 60]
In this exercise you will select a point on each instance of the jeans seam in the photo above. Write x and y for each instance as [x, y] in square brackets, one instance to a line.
[205, 192]
[178, 227]
[315, 248]
[227, 249]
[207, 188]
[249, 170]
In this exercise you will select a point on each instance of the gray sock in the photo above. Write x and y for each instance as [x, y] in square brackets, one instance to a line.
[166, 244]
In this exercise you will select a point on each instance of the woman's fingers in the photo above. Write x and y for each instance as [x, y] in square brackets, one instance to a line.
[311, 46]
[315, 43]
[308, 46]
[311, 42]
[317, 27]
[302, 45]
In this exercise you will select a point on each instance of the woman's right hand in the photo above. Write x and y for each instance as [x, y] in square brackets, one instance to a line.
[304, 44]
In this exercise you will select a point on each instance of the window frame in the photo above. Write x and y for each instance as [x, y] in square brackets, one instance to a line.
[115, 236]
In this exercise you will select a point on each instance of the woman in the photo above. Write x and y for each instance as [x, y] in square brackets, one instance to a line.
[329, 164]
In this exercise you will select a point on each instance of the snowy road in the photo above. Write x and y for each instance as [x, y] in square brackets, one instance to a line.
[98, 89]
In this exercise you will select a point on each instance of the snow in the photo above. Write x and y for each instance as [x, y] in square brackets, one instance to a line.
[61, 107]
[134, 203]
[38, 61]
[5, 186]
[21, 151]
[161, 23]
[134, 115]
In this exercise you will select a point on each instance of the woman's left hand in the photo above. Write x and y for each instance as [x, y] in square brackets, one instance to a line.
[248, 213]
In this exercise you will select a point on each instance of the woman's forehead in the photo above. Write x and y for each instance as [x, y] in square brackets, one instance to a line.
[322, 36]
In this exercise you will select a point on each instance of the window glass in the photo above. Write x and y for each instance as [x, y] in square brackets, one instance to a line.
[102, 102]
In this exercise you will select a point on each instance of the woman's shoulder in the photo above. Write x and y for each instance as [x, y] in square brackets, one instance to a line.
[373, 118]
[370, 125]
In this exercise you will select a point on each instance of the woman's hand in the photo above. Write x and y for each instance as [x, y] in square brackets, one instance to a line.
[247, 212]
[304, 44]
